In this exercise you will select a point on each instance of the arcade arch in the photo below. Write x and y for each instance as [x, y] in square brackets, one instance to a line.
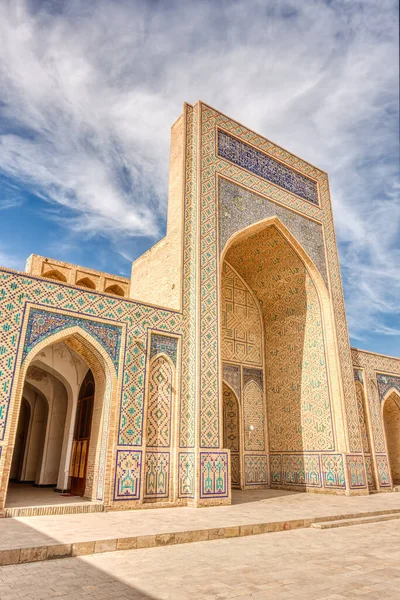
[391, 421]
[63, 431]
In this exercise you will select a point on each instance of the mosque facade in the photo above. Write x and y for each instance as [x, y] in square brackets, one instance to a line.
[223, 363]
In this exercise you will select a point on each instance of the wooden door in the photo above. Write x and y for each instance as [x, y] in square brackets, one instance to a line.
[83, 425]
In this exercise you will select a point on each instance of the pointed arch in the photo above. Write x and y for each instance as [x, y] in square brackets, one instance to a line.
[115, 289]
[232, 431]
[160, 436]
[242, 247]
[87, 283]
[56, 275]
[104, 423]
[391, 426]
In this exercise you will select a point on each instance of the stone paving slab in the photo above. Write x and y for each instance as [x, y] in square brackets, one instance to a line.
[337, 564]
[28, 539]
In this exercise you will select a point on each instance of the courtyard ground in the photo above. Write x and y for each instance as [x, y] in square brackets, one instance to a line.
[37, 538]
[361, 561]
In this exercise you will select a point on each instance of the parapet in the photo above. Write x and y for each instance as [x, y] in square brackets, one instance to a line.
[40, 266]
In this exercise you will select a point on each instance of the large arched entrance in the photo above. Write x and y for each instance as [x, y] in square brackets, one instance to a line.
[391, 420]
[63, 425]
[274, 331]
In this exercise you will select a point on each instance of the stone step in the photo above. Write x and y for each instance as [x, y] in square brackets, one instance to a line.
[356, 520]
[41, 552]
[54, 509]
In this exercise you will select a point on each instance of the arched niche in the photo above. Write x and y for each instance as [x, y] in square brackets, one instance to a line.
[391, 421]
[99, 476]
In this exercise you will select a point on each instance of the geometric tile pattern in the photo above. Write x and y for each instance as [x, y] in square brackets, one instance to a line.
[361, 413]
[241, 327]
[333, 471]
[162, 344]
[16, 290]
[231, 375]
[43, 323]
[190, 250]
[186, 474]
[239, 208]
[214, 468]
[302, 470]
[275, 461]
[381, 373]
[256, 469]
[298, 398]
[356, 471]
[368, 470]
[127, 476]
[253, 411]
[159, 407]
[387, 382]
[157, 475]
[265, 166]
[231, 420]
[211, 164]
[383, 470]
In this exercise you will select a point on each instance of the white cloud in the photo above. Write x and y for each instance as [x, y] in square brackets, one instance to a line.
[90, 90]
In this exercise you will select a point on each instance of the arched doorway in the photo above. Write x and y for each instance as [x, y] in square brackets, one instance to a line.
[391, 420]
[275, 330]
[68, 384]
[231, 421]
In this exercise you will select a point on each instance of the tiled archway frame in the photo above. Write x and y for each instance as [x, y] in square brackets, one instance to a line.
[337, 408]
[108, 389]
[370, 366]
[211, 166]
[18, 291]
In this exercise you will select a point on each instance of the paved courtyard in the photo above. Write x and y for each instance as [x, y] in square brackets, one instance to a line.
[361, 561]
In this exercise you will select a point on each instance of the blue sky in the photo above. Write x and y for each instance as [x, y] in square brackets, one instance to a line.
[89, 90]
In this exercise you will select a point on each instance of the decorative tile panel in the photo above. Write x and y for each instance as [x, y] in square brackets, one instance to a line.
[241, 325]
[186, 472]
[333, 471]
[157, 466]
[256, 469]
[189, 382]
[238, 208]
[302, 470]
[385, 383]
[382, 466]
[265, 166]
[214, 468]
[18, 292]
[361, 413]
[159, 408]
[43, 323]
[127, 475]
[162, 344]
[275, 461]
[254, 417]
[231, 374]
[356, 471]
[369, 472]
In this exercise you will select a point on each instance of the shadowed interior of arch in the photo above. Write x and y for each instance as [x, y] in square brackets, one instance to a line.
[58, 427]
[391, 420]
[272, 334]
